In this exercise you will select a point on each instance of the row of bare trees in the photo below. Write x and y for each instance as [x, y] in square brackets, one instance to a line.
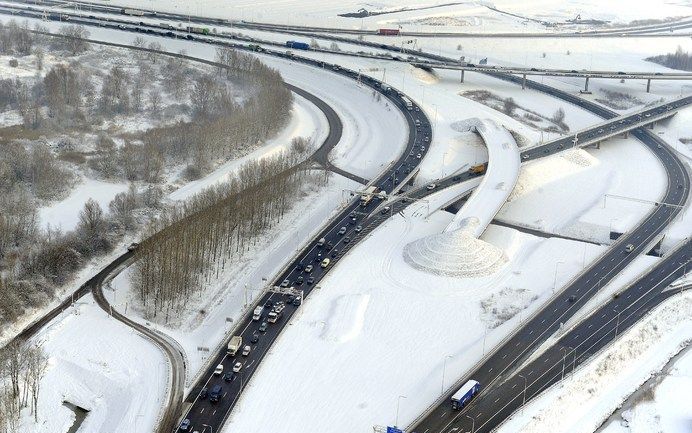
[22, 366]
[194, 243]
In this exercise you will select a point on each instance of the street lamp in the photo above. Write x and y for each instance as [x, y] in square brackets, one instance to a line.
[207, 425]
[398, 401]
[524, 398]
[555, 277]
[444, 366]
[617, 323]
[473, 423]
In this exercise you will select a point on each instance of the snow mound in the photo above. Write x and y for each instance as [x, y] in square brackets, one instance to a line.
[346, 318]
[537, 174]
[456, 254]
[466, 125]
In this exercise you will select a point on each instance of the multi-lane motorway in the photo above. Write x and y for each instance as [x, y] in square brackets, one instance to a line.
[496, 368]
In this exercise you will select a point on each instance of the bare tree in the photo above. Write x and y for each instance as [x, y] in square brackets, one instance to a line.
[74, 39]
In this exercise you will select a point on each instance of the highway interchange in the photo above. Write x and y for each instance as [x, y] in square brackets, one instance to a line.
[497, 372]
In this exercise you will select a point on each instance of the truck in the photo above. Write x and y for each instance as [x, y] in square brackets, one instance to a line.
[234, 345]
[257, 314]
[133, 12]
[407, 103]
[276, 313]
[298, 45]
[477, 169]
[199, 30]
[367, 195]
[465, 394]
[388, 32]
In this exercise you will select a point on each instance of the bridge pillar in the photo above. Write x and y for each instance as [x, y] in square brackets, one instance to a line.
[652, 125]
[586, 85]
[625, 134]
[523, 82]
[648, 85]
[462, 76]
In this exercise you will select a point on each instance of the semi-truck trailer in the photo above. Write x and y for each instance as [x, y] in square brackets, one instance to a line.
[465, 394]
[478, 169]
[388, 32]
[133, 12]
[367, 195]
[297, 45]
[234, 345]
[199, 30]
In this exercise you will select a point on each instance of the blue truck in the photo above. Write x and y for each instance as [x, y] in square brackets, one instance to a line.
[297, 45]
[465, 394]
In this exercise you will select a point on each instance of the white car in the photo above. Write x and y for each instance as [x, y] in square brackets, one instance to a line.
[431, 187]
[218, 370]
[246, 350]
[237, 367]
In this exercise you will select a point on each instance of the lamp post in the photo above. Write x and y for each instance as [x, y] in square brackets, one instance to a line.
[210, 429]
[444, 367]
[617, 322]
[555, 277]
[473, 423]
[523, 402]
[398, 401]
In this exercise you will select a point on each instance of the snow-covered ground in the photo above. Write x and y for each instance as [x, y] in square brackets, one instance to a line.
[663, 405]
[97, 363]
[583, 401]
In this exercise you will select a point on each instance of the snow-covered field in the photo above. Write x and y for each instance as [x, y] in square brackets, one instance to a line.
[100, 365]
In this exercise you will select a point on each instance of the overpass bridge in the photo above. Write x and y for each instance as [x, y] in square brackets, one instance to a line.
[546, 72]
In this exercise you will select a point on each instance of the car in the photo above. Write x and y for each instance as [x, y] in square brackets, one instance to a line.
[431, 187]
[297, 301]
[629, 248]
[330, 245]
[600, 131]
[218, 370]
[133, 246]
[325, 263]
[255, 339]
[203, 393]
[308, 269]
[299, 267]
[237, 367]
[246, 350]
[263, 327]
[358, 229]
[227, 377]
[335, 253]
[659, 146]
[352, 214]
[422, 148]
[353, 221]
[385, 210]
[185, 425]
[616, 295]
[419, 156]
[456, 178]
[347, 240]
[426, 139]
[571, 299]
[342, 231]
[268, 304]
[299, 280]
[215, 394]
[285, 283]
[525, 156]
[310, 280]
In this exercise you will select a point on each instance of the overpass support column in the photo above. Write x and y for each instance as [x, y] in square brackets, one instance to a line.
[586, 85]
[523, 82]
[648, 85]
[462, 76]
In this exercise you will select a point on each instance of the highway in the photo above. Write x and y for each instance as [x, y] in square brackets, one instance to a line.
[646, 30]
[602, 271]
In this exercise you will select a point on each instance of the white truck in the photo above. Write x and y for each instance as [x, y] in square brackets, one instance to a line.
[465, 394]
[234, 345]
[275, 314]
[257, 314]
[367, 195]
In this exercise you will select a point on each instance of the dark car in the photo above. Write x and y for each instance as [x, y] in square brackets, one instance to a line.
[299, 267]
[334, 253]
[203, 393]
[347, 240]
[263, 327]
[299, 280]
[572, 298]
[185, 425]
[228, 376]
[268, 304]
[311, 280]
[215, 394]
[255, 339]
